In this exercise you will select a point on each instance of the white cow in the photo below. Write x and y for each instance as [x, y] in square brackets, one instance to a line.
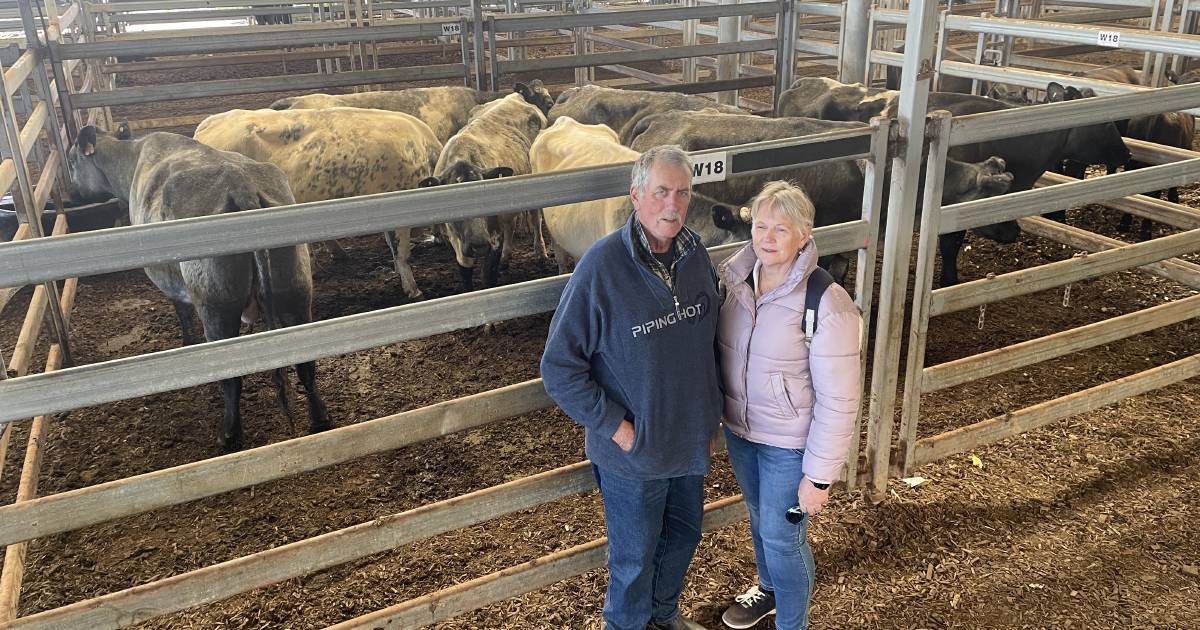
[569, 144]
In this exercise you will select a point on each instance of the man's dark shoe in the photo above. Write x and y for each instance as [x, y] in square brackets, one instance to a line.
[680, 623]
[749, 608]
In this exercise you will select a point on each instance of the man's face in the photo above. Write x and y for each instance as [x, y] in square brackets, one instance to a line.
[662, 207]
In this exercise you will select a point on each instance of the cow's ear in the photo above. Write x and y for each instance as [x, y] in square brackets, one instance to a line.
[1087, 92]
[524, 90]
[86, 140]
[429, 182]
[1073, 93]
[1055, 92]
[499, 171]
[123, 132]
[1172, 77]
[725, 217]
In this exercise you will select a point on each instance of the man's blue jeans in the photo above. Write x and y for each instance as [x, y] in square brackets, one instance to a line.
[769, 477]
[653, 530]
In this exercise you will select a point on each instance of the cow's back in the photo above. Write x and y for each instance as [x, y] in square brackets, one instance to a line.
[834, 187]
[445, 109]
[499, 133]
[331, 153]
[568, 144]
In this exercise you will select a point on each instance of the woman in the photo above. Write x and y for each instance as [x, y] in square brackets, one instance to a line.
[790, 401]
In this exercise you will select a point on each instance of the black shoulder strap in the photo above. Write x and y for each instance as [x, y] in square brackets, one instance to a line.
[818, 281]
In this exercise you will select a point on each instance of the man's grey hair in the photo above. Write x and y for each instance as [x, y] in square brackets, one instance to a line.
[665, 153]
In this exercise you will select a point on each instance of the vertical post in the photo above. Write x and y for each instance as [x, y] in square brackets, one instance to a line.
[464, 41]
[785, 52]
[510, 7]
[931, 214]
[1147, 79]
[914, 94]
[689, 39]
[494, 63]
[728, 31]
[1185, 27]
[1156, 78]
[477, 43]
[852, 67]
[864, 279]
[25, 200]
[63, 83]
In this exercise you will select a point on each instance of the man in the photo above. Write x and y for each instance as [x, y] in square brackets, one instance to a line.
[630, 356]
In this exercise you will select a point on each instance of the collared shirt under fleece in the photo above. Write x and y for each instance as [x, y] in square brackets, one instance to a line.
[625, 343]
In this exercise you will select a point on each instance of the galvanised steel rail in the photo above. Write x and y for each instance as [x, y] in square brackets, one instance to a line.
[1130, 39]
[1020, 121]
[137, 246]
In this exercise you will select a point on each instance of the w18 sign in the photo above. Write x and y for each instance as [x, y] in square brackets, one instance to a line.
[710, 167]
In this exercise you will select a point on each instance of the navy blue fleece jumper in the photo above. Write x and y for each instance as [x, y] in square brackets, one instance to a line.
[623, 344]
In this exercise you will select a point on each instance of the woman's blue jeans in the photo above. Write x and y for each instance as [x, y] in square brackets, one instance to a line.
[769, 477]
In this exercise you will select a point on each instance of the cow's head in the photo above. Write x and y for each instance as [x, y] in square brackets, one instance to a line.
[1092, 144]
[462, 171]
[89, 170]
[536, 94]
[967, 182]
[735, 221]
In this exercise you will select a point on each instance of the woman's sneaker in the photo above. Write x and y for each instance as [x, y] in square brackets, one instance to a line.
[749, 608]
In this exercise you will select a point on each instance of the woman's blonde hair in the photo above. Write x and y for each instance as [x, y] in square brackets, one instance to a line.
[787, 199]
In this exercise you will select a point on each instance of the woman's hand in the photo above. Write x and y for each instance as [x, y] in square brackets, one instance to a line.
[809, 498]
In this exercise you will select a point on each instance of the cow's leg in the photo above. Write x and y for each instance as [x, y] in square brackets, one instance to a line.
[187, 322]
[490, 271]
[539, 239]
[561, 258]
[400, 243]
[223, 321]
[1069, 168]
[948, 246]
[318, 416]
[507, 228]
[466, 264]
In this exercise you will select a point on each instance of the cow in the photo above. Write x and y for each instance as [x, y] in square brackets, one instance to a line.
[445, 109]
[827, 99]
[335, 153]
[835, 188]
[163, 177]
[494, 143]
[619, 109]
[1174, 129]
[1026, 157]
[569, 144]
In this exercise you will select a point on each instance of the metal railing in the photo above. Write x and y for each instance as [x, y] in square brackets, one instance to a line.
[944, 133]
[142, 245]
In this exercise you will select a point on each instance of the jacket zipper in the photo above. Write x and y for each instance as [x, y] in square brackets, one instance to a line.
[746, 363]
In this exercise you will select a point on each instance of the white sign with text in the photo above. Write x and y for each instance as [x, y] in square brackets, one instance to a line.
[1112, 39]
[710, 167]
[454, 28]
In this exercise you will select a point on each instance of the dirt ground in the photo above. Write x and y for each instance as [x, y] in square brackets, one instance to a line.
[1092, 522]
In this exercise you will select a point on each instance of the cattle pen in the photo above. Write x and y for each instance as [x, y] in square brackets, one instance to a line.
[952, 371]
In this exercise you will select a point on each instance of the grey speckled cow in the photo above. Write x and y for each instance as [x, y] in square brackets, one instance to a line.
[165, 176]
[495, 143]
[445, 109]
[335, 153]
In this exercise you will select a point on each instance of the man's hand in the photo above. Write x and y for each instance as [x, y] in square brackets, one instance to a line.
[624, 436]
[809, 498]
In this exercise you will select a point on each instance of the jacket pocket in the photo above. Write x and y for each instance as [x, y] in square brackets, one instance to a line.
[782, 401]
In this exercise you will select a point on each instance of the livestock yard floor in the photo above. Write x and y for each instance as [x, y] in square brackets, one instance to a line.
[1093, 522]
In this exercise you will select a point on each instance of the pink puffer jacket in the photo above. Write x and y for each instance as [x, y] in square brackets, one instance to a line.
[779, 391]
